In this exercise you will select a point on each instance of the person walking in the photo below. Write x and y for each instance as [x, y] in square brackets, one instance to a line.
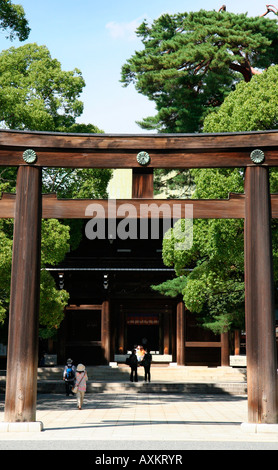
[147, 365]
[69, 376]
[80, 384]
[133, 363]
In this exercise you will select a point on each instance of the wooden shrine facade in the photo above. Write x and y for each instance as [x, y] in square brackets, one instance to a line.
[255, 152]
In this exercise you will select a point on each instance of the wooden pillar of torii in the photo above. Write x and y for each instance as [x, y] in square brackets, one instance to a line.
[165, 151]
[22, 358]
[261, 350]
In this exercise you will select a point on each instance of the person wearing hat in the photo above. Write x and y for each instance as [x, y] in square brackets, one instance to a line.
[80, 384]
[69, 376]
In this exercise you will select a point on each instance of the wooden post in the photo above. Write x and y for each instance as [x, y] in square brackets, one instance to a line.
[121, 332]
[237, 342]
[225, 357]
[166, 328]
[142, 183]
[174, 336]
[180, 334]
[105, 330]
[22, 359]
[259, 298]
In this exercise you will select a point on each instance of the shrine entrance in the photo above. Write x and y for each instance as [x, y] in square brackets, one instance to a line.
[255, 152]
[83, 334]
[148, 335]
[145, 327]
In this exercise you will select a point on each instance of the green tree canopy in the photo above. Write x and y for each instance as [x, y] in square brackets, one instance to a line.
[252, 106]
[35, 93]
[12, 18]
[190, 61]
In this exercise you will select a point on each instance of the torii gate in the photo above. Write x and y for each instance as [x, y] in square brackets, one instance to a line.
[256, 152]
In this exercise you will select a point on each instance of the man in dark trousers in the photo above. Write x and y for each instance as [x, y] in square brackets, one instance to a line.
[133, 363]
[147, 365]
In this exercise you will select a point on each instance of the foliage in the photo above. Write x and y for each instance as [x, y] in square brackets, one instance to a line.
[76, 183]
[51, 300]
[190, 61]
[5, 271]
[35, 93]
[172, 287]
[12, 17]
[55, 242]
[252, 106]
[80, 128]
[216, 296]
[173, 183]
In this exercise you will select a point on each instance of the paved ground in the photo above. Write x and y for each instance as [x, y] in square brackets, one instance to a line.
[140, 421]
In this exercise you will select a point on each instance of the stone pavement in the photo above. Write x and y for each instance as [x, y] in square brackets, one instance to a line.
[125, 419]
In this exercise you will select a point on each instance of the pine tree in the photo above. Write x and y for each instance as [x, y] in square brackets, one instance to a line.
[191, 61]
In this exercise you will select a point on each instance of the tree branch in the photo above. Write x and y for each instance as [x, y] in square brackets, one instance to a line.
[270, 9]
[244, 70]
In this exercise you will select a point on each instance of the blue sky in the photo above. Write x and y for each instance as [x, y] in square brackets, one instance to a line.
[98, 37]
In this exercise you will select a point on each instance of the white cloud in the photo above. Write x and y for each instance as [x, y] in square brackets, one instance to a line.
[124, 30]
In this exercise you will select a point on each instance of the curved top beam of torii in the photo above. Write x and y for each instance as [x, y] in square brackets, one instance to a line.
[120, 151]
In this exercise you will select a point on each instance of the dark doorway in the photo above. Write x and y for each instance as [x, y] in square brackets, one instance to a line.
[136, 333]
[83, 336]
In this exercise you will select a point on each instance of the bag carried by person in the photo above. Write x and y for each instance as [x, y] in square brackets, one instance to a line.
[69, 373]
